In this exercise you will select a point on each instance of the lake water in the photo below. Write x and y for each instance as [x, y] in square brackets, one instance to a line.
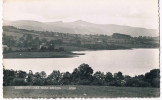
[129, 62]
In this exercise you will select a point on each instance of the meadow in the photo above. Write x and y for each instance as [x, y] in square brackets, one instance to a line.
[78, 91]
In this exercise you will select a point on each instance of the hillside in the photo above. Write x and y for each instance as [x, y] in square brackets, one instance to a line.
[81, 27]
[23, 39]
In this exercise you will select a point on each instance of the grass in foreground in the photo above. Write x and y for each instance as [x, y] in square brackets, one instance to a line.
[80, 91]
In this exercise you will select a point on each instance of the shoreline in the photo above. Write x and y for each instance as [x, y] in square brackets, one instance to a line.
[51, 54]
[24, 55]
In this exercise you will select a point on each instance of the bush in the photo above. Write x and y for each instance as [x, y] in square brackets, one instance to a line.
[19, 82]
[84, 82]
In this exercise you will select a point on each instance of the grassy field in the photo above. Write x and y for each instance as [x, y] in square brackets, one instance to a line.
[78, 91]
[39, 55]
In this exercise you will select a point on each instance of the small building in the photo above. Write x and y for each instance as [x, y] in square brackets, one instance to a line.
[43, 46]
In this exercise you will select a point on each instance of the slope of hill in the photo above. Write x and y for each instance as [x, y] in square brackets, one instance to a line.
[23, 40]
[82, 27]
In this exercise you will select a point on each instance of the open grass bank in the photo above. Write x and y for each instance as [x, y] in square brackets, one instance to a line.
[78, 91]
[46, 54]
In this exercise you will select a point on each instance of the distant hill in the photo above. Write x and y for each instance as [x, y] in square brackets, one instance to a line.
[81, 27]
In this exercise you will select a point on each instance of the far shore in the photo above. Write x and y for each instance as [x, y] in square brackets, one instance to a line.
[51, 54]
[47, 54]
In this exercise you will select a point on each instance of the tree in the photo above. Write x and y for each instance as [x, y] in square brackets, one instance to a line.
[136, 81]
[37, 81]
[37, 75]
[30, 78]
[8, 77]
[153, 77]
[51, 47]
[127, 79]
[66, 79]
[108, 78]
[119, 76]
[75, 76]
[44, 40]
[118, 79]
[35, 43]
[21, 74]
[28, 40]
[99, 78]
[54, 78]
[85, 71]
[19, 82]
[43, 74]
[39, 78]
[82, 75]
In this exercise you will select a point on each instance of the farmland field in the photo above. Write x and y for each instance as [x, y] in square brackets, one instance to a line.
[78, 91]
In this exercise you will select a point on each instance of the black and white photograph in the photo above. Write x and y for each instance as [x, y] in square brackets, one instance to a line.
[81, 49]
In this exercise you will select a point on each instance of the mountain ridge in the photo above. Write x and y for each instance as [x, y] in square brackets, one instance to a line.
[81, 27]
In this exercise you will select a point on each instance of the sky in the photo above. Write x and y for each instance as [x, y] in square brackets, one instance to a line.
[137, 13]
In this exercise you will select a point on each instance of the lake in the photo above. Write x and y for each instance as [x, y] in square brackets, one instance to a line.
[129, 62]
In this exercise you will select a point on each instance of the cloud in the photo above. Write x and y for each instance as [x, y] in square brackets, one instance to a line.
[131, 12]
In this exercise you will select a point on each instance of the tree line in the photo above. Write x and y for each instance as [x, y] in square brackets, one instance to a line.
[30, 40]
[83, 75]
